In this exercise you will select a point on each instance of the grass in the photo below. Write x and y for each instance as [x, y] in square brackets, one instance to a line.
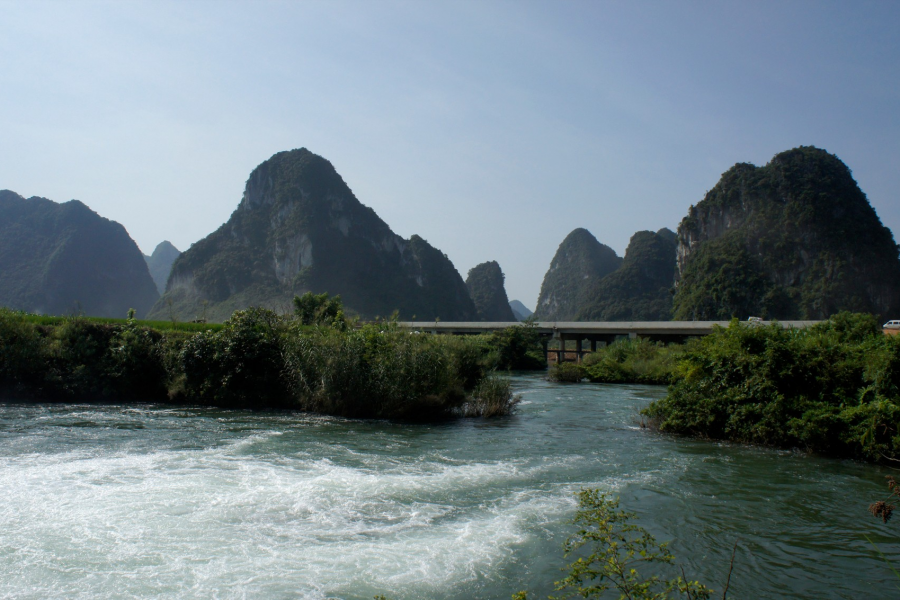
[48, 320]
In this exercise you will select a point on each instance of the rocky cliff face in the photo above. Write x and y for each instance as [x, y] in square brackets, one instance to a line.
[299, 228]
[485, 284]
[641, 289]
[65, 258]
[795, 239]
[579, 264]
[160, 263]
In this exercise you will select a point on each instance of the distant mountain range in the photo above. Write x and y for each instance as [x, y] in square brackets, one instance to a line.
[795, 239]
[66, 259]
[485, 284]
[579, 264]
[520, 311]
[160, 263]
[639, 290]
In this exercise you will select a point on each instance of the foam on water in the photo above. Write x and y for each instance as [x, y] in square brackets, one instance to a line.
[172, 522]
[161, 502]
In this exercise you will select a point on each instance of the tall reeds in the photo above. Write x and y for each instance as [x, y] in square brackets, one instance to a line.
[258, 359]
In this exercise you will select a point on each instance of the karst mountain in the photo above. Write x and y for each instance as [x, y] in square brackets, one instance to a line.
[65, 259]
[794, 239]
[160, 263]
[299, 228]
[579, 264]
[485, 284]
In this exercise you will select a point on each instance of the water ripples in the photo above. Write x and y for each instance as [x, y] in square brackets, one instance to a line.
[102, 501]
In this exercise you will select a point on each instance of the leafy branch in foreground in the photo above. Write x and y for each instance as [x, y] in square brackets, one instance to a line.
[617, 549]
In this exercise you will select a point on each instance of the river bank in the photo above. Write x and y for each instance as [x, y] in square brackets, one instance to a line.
[832, 389]
[315, 360]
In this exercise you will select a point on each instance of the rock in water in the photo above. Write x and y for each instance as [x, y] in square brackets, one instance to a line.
[641, 289]
[62, 259]
[485, 283]
[299, 228]
[160, 263]
[580, 262]
[795, 239]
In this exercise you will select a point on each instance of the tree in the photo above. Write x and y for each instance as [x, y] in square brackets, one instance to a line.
[319, 309]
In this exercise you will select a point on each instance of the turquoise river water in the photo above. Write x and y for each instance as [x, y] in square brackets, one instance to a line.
[102, 501]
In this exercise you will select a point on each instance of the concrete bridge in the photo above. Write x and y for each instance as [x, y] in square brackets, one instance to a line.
[587, 335]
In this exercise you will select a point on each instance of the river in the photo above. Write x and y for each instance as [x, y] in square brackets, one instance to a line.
[170, 502]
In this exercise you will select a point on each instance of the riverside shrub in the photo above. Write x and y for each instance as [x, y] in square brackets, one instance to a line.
[257, 359]
[78, 360]
[832, 388]
[380, 371]
[632, 361]
[22, 354]
[239, 366]
[517, 348]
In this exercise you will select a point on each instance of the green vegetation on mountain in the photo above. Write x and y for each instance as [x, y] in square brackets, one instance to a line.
[160, 263]
[485, 284]
[67, 259]
[640, 290]
[795, 239]
[580, 263]
[299, 229]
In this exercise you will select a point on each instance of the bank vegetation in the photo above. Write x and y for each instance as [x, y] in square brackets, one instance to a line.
[312, 360]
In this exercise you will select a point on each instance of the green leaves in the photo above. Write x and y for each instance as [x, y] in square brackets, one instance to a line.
[312, 309]
[257, 359]
[831, 389]
[796, 238]
[616, 550]
[633, 361]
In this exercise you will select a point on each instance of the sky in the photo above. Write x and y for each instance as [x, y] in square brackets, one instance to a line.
[490, 128]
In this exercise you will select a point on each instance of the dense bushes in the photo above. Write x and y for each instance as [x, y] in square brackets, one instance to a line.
[632, 361]
[80, 360]
[624, 361]
[241, 365]
[258, 359]
[566, 372]
[832, 388]
[516, 348]
[378, 371]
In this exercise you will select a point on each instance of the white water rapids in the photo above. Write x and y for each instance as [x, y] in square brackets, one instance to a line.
[162, 502]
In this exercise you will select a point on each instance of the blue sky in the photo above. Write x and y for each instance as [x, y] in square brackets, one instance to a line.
[491, 129]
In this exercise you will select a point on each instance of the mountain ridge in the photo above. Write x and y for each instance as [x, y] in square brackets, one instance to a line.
[298, 228]
[64, 258]
[580, 262]
[485, 284]
[794, 239]
[160, 263]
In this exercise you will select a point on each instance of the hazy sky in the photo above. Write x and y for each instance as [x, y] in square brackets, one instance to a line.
[491, 129]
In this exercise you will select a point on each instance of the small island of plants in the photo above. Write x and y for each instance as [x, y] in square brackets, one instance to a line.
[832, 389]
[313, 360]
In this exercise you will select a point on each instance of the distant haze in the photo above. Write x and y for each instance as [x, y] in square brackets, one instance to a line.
[491, 129]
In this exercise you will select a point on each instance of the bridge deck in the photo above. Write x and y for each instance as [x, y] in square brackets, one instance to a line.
[569, 328]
